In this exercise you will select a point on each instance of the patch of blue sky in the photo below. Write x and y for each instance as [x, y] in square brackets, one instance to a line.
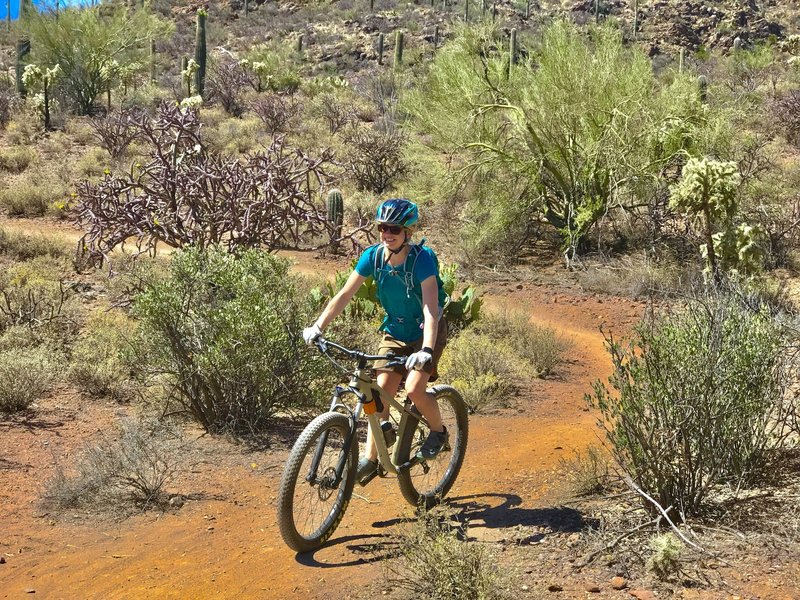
[42, 5]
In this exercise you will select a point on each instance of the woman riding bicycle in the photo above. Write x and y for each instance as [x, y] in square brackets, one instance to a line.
[410, 291]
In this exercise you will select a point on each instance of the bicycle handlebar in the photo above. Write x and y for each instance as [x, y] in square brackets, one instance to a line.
[391, 357]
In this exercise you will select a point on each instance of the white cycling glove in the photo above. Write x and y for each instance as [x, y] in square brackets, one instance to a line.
[419, 359]
[311, 333]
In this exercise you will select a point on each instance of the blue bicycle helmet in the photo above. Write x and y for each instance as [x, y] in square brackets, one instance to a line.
[397, 211]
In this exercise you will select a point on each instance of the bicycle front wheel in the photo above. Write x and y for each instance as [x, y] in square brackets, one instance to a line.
[425, 483]
[311, 502]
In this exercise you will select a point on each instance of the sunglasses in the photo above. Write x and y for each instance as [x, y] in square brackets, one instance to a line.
[393, 229]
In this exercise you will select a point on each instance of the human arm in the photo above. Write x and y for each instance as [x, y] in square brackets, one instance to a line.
[334, 307]
[430, 313]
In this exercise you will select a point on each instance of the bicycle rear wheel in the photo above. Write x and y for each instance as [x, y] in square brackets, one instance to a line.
[311, 503]
[425, 483]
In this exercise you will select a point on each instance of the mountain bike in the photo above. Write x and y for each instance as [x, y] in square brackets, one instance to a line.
[320, 473]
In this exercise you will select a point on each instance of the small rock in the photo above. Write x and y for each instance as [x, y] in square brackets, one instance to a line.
[554, 587]
[594, 589]
[619, 583]
[30, 591]
[525, 588]
[2, 560]
[642, 595]
[176, 501]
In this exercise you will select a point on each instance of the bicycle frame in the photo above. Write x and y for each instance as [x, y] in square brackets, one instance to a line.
[366, 389]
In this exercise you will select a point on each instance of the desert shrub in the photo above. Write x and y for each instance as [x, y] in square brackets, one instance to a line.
[21, 130]
[538, 348]
[277, 112]
[91, 61]
[131, 465]
[32, 194]
[117, 130]
[698, 399]
[266, 199]
[8, 103]
[93, 163]
[22, 247]
[226, 83]
[225, 329]
[333, 110]
[437, 562]
[588, 472]
[97, 363]
[665, 560]
[274, 67]
[35, 294]
[25, 376]
[786, 112]
[484, 371]
[16, 158]
[374, 160]
[234, 136]
[635, 276]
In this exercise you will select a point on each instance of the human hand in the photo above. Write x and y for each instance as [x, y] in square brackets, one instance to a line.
[418, 360]
[311, 333]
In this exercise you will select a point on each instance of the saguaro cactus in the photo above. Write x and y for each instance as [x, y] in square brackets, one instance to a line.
[398, 49]
[380, 48]
[681, 58]
[512, 51]
[702, 84]
[23, 49]
[246, 7]
[335, 204]
[152, 60]
[435, 37]
[300, 43]
[635, 18]
[200, 52]
[466, 11]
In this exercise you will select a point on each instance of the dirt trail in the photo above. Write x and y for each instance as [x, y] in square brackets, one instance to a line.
[225, 544]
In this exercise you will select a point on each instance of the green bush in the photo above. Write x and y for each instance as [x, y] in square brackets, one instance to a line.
[698, 400]
[97, 364]
[130, 465]
[538, 348]
[438, 563]
[35, 294]
[25, 376]
[16, 158]
[21, 247]
[485, 372]
[226, 330]
[32, 194]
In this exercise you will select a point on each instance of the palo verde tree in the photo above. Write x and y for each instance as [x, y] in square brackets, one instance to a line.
[568, 134]
[105, 36]
[707, 192]
[187, 195]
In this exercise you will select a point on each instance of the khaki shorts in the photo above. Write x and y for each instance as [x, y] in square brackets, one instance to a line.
[400, 348]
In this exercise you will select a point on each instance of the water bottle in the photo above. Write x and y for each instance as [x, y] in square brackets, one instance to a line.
[389, 434]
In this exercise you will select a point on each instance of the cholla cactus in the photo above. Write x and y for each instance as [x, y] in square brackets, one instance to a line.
[188, 73]
[33, 78]
[192, 102]
[707, 191]
[261, 71]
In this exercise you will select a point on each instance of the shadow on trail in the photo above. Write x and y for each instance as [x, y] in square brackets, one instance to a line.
[369, 548]
[480, 508]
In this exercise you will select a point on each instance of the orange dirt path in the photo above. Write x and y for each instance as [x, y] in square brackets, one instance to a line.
[226, 545]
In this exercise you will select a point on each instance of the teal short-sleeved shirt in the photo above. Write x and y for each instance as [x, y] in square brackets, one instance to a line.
[400, 289]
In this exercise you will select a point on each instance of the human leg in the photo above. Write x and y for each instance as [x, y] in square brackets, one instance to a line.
[389, 381]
